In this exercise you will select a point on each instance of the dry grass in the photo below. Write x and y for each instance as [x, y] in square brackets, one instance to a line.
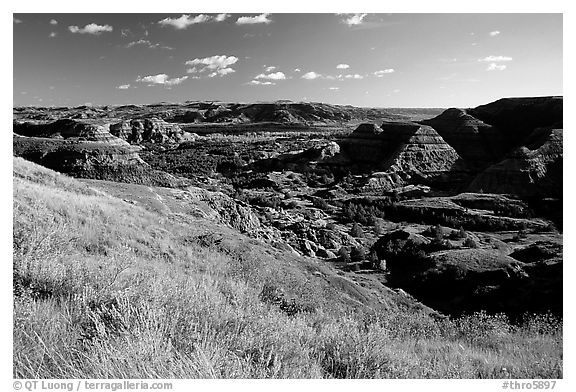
[105, 289]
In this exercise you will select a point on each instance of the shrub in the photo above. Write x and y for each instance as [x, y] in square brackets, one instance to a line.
[357, 231]
[358, 254]
[320, 203]
[470, 243]
[344, 255]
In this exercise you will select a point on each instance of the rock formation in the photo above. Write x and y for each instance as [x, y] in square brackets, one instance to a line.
[479, 144]
[68, 129]
[150, 130]
[527, 172]
[401, 150]
[90, 159]
[516, 118]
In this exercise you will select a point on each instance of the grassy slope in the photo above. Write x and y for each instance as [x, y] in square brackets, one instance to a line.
[105, 288]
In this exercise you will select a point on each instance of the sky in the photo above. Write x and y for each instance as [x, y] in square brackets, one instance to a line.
[371, 60]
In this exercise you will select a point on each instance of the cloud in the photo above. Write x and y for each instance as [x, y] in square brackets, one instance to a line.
[221, 72]
[272, 76]
[311, 75]
[334, 88]
[53, 22]
[221, 17]
[342, 66]
[297, 70]
[123, 87]
[91, 28]
[262, 18]
[16, 20]
[185, 21]
[494, 33]
[145, 42]
[52, 34]
[383, 72]
[495, 67]
[270, 68]
[354, 19]
[259, 83]
[495, 59]
[353, 76]
[219, 65]
[161, 79]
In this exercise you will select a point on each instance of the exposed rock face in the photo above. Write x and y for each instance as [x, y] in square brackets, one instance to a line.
[231, 212]
[151, 130]
[527, 172]
[516, 118]
[96, 160]
[401, 150]
[513, 145]
[476, 142]
[68, 129]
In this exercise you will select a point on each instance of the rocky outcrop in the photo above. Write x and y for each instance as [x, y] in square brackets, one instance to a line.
[527, 172]
[517, 118]
[231, 212]
[513, 145]
[478, 143]
[149, 130]
[403, 152]
[95, 160]
[68, 129]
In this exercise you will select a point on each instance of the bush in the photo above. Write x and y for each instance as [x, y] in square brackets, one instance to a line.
[344, 255]
[358, 254]
[320, 203]
[470, 243]
[357, 231]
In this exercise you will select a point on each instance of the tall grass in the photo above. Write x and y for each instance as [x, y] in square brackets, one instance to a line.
[105, 289]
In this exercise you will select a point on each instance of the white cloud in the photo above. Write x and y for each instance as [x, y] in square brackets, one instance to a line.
[16, 20]
[219, 65]
[495, 59]
[262, 18]
[383, 72]
[221, 17]
[52, 34]
[91, 28]
[259, 83]
[354, 19]
[145, 42]
[221, 72]
[496, 67]
[161, 79]
[297, 70]
[214, 62]
[334, 88]
[185, 21]
[494, 33]
[272, 76]
[53, 22]
[270, 68]
[311, 75]
[123, 87]
[353, 76]
[342, 66]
